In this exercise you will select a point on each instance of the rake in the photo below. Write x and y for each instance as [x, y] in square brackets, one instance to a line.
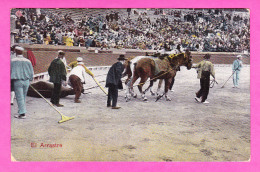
[228, 79]
[63, 117]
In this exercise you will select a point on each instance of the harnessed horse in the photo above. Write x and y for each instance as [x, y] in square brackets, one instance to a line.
[147, 67]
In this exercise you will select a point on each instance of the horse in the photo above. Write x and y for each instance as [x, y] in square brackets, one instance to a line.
[129, 68]
[159, 69]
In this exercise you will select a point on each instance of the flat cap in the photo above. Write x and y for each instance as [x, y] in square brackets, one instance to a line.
[79, 59]
[239, 56]
[19, 48]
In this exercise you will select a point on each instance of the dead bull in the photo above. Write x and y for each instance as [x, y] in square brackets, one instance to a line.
[45, 89]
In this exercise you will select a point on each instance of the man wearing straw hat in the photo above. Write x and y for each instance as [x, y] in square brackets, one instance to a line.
[57, 72]
[113, 81]
[236, 67]
[77, 78]
[21, 75]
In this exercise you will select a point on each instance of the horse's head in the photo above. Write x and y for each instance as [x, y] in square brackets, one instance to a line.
[127, 66]
[183, 59]
[127, 70]
[188, 59]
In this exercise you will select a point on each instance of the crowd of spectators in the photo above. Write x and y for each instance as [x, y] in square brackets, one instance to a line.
[215, 30]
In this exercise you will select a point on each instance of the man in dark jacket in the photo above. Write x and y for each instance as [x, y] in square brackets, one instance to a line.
[113, 81]
[57, 72]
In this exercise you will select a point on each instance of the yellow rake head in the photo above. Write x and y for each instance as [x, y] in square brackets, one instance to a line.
[65, 118]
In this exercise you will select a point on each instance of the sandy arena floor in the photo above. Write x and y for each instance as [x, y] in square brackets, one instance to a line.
[177, 130]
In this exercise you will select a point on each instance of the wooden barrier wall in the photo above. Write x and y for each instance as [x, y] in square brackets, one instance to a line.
[45, 54]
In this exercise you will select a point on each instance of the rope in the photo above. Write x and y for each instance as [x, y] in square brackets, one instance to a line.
[153, 78]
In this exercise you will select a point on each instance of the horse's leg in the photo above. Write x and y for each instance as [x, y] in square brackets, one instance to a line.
[128, 89]
[151, 90]
[149, 87]
[166, 88]
[159, 86]
[140, 86]
[131, 86]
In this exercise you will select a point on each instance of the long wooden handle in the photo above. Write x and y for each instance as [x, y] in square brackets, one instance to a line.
[46, 100]
[100, 85]
[228, 79]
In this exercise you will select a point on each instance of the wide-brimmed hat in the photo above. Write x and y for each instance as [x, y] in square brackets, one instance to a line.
[121, 57]
[79, 59]
[207, 56]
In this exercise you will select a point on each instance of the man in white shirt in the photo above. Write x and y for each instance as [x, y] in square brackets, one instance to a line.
[77, 78]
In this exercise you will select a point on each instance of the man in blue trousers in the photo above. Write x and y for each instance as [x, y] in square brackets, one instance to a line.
[21, 75]
[236, 67]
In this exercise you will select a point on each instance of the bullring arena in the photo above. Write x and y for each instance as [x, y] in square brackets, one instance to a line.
[177, 130]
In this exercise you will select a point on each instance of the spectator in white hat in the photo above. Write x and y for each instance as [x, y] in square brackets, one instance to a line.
[236, 67]
[21, 75]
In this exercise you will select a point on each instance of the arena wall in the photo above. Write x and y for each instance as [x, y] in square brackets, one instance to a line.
[44, 54]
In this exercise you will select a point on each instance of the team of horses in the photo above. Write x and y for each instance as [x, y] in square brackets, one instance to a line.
[145, 67]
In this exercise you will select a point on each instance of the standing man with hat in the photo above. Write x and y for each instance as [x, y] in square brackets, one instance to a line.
[236, 67]
[113, 81]
[57, 72]
[21, 75]
[77, 78]
[205, 69]
[63, 59]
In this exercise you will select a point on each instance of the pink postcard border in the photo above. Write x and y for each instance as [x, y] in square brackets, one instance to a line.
[5, 160]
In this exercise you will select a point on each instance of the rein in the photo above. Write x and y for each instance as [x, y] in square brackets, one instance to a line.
[154, 77]
[173, 68]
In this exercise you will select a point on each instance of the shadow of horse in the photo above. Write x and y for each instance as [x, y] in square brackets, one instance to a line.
[165, 69]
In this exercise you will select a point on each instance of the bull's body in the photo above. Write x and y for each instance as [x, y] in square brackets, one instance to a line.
[45, 89]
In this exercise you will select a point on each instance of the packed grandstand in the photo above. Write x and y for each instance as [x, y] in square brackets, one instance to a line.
[203, 30]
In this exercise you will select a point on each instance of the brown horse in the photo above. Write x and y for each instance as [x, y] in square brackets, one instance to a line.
[129, 68]
[159, 69]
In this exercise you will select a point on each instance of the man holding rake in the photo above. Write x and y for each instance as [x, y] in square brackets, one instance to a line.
[236, 67]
